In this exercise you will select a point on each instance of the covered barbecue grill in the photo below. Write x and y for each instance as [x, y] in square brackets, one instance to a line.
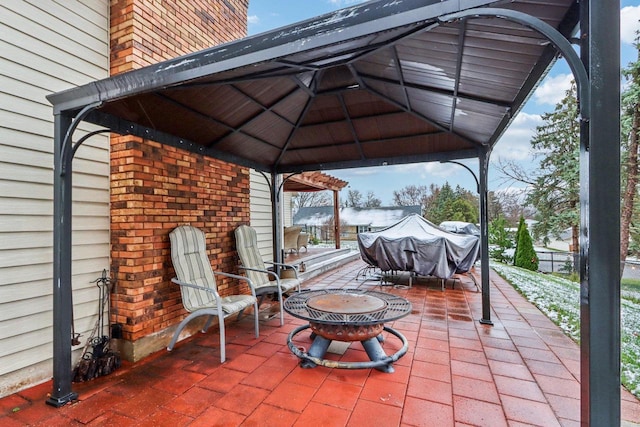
[416, 245]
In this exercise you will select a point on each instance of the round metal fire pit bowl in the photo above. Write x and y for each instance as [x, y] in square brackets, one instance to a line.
[347, 303]
[347, 315]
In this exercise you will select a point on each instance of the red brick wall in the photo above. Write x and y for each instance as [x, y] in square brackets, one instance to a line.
[155, 188]
[144, 32]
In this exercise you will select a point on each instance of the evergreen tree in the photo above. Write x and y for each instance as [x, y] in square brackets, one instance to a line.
[526, 256]
[630, 126]
[500, 239]
[446, 204]
[521, 225]
[555, 192]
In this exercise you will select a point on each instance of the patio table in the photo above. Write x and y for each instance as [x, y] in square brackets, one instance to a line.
[347, 315]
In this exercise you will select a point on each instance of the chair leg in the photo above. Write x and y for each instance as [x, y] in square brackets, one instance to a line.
[281, 302]
[223, 353]
[207, 324]
[184, 322]
[261, 299]
[255, 317]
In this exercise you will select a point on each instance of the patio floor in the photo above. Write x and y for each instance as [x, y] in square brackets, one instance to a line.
[521, 371]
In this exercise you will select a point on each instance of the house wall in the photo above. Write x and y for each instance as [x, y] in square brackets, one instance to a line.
[45, 47]
[261, 214]
[49, 46]
[287, 215]
[155, 188]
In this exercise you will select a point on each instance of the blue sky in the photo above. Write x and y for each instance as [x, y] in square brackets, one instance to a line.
[514, 145]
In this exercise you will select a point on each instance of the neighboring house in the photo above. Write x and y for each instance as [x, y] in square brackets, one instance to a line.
[317, 219]
[49, 46]
[561, 242]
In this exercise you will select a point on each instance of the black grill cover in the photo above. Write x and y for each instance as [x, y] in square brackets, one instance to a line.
[416, 245]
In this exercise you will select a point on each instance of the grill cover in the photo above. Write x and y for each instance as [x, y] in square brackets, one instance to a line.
[416, 245]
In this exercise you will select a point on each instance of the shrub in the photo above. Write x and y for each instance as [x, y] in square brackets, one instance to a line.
[521, 225]
[525, 256]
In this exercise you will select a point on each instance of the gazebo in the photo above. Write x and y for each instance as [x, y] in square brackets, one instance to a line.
[384, 82]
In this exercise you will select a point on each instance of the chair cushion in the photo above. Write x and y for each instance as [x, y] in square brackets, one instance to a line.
[235, 303]
[247, 247]
[192, 265]
[289, 284]
[291, 237]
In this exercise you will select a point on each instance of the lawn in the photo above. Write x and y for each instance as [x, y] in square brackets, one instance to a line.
[559, 299]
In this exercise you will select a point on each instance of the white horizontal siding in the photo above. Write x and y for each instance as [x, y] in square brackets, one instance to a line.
[287, 218]
[45, 47]
[260, 206]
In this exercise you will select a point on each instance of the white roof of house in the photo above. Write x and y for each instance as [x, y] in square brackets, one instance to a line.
[370, 217]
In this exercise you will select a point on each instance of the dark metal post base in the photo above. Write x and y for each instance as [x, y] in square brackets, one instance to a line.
[61, 401]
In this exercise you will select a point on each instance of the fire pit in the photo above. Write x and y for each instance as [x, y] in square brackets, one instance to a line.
[347, 315]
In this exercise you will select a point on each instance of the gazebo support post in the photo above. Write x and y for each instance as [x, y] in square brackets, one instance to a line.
[483, 158]
[277, 224]
[600, 218]
[62, 289]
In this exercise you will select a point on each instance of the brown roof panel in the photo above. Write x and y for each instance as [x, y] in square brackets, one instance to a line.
[377, 83]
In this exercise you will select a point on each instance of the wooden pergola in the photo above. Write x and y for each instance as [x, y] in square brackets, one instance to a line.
[318, 181]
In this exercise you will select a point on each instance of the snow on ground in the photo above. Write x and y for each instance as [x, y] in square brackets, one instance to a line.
[559, 299]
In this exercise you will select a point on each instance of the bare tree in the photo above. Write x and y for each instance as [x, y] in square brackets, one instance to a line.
[512, 203]
[411, 195]
[372, 201]
[353, 199]
[311, 198]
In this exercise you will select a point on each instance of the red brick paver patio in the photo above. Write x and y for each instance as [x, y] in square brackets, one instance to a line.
[522, 371]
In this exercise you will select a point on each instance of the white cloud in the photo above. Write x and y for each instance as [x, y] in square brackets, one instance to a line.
[365, 171]
[514, 145]
[441, 170]
[253, 19]
[629, 17]
[553, 89]
[340, 3]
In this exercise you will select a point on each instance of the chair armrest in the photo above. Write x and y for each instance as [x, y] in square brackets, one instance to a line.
[288, 266]
[236, 276]
[260, 270]
[202, 288]
[281, 264]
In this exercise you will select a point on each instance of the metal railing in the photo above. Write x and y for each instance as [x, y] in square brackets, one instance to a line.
[557, 262]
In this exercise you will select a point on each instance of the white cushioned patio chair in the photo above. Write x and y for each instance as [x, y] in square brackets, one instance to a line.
[291, 235]
[265, 280]
[197, 282]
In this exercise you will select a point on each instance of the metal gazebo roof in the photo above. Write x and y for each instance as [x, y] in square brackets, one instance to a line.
[380, 83]
[384, 82]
